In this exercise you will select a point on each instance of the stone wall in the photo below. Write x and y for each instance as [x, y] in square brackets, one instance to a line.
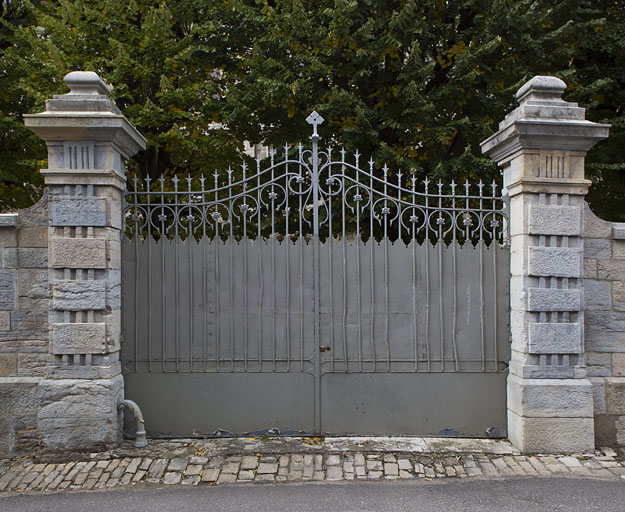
[604, 297]
[24, 305]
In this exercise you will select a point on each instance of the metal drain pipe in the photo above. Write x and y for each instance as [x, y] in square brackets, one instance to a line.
[140, 439]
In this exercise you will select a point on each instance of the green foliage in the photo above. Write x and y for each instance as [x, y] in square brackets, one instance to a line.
[415, 84]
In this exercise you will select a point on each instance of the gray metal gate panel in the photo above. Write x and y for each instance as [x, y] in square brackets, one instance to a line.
[315, 296]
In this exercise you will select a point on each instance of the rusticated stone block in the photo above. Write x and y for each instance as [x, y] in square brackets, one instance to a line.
[590, 268]
[79, 338]
[7, 280]
[618, 295]
[603, 340]
[82, 434]
[605, 429]
[78, 253]
[33, 290]
[618, 364]
[618, 249]
[598, 395]
[611, 270]
[32, 237]
[5, 320]
[555, 220]
[32, 365]
[555, 338]
[8, 237]
[26, 257]
[113, 330]
[29, 321]
[620, 430]
[551, 435]
[594, 227]
[78, 211]
[25, 434]
[550, 398]
[553, 299]
[597, 248]
[114, 289]
[605, 321]
[78, 415]
[598, 364]
[615, 395]
[7, 300]
[18, 397]
[79, 295]
[555, 261]
[597, 294]
[8, 365]
[37, 214]
[80, 398]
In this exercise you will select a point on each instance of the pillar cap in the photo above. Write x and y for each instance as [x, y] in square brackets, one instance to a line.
[547, 88]
[86, 82]
[543, 121]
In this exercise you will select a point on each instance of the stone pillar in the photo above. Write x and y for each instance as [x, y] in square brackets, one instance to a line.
[88, 141]
[541, 148]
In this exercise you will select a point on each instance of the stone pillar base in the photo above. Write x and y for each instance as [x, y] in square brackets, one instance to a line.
[550, 415]
[78, 415]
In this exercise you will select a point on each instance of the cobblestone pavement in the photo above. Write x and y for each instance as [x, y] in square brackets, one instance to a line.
[251, 460]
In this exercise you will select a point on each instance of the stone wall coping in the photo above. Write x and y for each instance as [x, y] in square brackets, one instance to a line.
[8, 220]
[618, 231]
[20, 380]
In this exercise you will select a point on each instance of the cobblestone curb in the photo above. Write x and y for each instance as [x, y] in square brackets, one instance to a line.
[107, 470]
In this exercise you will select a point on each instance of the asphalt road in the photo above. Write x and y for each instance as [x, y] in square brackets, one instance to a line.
[513, 494]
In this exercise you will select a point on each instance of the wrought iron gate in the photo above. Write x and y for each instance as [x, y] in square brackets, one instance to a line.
[315, 296]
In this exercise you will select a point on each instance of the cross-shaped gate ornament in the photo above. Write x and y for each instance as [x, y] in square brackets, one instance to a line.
[315, 119]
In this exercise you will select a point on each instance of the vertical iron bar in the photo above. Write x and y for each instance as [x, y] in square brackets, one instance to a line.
[244, 240]
[494, 248]
[358, 287]
[273, 264]
[482, 339]
[176, 280]
[216, 279]
[136, 244]
[162, 238]
[149, 242]
[300, 241]
[189, 241]
[204, 221]
[259, 242]
[386, 313]
[440, 273]
[427, 277]
[231, 279]
[344, 261]
[371, 269]
[454, 244]
[316, 279]
[330, 243]
[413, 242]
[287, 241]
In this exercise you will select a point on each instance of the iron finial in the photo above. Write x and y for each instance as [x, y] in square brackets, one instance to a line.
[315, 120]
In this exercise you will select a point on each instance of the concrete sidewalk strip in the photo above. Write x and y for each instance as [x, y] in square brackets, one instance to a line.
[193, 462]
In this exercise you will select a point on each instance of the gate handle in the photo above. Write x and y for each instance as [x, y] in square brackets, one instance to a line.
[323, 348]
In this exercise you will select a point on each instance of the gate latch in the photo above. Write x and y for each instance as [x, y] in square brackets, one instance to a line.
[323, 348]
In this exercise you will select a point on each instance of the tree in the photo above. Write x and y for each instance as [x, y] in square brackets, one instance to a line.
[415, 84]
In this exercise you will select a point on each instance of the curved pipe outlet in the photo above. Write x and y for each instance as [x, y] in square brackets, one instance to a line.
[140, 439]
